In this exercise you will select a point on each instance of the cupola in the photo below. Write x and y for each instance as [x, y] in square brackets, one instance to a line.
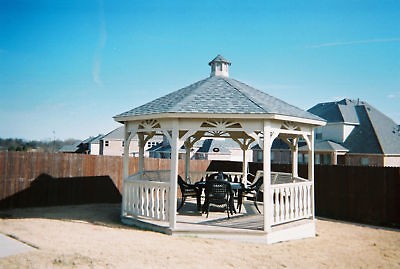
[219, 66]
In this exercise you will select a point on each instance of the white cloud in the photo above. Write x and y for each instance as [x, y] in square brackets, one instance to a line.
[96, 71]
[393, 95]
[354, 42]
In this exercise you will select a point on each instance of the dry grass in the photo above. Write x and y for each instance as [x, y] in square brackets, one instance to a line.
[91, 236]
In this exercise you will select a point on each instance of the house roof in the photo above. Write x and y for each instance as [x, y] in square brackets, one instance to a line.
[203, 146]
[70, 148]
[218, 95]
[92, 139]
[116, 134]
[375, 133]
[217, 145]
[326, 146]
[339, 111]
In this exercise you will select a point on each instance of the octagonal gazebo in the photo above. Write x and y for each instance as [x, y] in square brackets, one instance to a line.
[219, 106]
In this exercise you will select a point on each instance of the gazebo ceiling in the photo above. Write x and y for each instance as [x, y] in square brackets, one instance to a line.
[217, 96]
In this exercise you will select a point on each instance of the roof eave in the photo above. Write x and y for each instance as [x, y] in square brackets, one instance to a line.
[122, 119]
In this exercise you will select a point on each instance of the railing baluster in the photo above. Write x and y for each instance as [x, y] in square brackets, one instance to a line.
[291, 199]
[301, 200]
[309, 200]
[287, 216]
[143, 200]
[157, 206]
[273, 204]
[277, 204]
[282, 206]
[166, 202]
[296, 201]
[151, 201]
[147, 201]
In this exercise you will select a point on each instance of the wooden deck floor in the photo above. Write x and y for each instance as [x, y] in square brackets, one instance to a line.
[248, 219]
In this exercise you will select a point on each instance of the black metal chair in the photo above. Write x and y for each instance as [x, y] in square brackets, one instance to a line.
[251, 191]
[218, 193]
[187, 190]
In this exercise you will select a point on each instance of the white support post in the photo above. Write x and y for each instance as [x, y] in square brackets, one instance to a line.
[174, 142]
[244, 167]
[295, 157]
[311, 170]
[187, 160]
[126, 152]
[141, 152]
[334, 158]
[244, 146]
[267, 176]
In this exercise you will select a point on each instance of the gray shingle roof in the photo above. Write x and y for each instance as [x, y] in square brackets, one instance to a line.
[219, 58]
[216, 95]
[375, 133]
[204, 146]
[116, 134]
[325, 145]
[340, 111]
[223, 146]
[92, 140]
[70, 148]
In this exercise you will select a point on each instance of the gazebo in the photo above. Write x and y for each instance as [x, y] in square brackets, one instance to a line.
[220, 106]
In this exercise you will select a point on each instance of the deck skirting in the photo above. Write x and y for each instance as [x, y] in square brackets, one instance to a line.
[285, 232]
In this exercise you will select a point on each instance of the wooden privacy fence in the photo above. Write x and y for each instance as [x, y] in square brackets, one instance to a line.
[359, 194]
[20, 170]
[353, 193]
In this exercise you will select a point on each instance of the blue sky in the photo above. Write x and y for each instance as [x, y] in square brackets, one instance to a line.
[68, 67]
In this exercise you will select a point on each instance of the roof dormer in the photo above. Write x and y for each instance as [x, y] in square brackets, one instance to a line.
[219, 66]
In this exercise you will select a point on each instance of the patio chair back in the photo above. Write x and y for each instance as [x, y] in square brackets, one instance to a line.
[252, 191]
[187, 190]
[218, 193]
[218, 176]
[256, 186]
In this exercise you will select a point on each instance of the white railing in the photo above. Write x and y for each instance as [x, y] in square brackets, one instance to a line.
[291, 201]
[147, 194]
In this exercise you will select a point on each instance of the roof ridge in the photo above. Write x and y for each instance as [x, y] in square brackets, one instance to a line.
[245, 95]
[366, 110]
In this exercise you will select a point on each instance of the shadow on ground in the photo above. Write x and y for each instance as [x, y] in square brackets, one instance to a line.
[46, 190]
[100, 214]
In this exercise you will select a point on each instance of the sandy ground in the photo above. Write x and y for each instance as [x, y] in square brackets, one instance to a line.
[91, 236]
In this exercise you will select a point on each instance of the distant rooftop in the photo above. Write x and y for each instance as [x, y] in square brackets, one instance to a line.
[338, 111]
[374, 132]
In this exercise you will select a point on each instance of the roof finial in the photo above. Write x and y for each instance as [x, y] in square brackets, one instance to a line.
[219, 66]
